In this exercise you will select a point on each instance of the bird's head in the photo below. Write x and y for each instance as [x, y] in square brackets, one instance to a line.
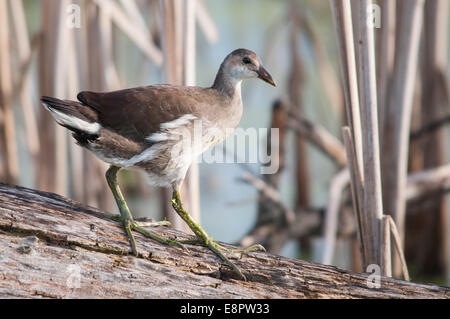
[244, 64]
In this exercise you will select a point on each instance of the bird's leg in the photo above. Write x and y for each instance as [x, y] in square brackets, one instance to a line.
[125, 215]
[202, 235]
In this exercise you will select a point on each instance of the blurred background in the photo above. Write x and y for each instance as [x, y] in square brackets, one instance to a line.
[61, 47]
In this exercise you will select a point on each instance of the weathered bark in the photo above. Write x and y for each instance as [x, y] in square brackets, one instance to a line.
[46, 239]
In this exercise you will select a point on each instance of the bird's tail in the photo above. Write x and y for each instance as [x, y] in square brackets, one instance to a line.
[72, 115]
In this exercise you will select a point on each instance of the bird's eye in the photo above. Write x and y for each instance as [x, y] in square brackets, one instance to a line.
[246, 60]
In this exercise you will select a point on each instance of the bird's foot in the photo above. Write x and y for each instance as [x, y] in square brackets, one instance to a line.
[214, 247]
[143, 221]
[217, 249]
[162, 240]
[203, 238]
[131, 224]
[246, 250]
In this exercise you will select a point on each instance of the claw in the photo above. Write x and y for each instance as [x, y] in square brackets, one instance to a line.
[255, 247]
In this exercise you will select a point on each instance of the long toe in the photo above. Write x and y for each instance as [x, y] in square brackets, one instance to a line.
[162, 240]
[152, 223]
[213, 246]
[255, 247]
[201, 241]
[216, 249]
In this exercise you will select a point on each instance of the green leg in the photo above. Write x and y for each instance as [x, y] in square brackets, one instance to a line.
[198, 241]
[143, 221]
[125, 215]
[204, 237]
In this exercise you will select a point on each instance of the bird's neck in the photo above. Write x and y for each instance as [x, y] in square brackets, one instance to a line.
[226, 84]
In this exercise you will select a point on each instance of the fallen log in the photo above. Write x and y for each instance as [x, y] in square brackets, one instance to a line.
[54, 247]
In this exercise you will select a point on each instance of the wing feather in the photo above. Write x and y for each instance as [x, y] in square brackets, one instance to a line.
[138, 112]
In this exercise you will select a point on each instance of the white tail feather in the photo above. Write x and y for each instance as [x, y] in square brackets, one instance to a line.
[72, 121]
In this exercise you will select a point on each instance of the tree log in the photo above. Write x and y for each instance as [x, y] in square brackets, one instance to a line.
[54, 247]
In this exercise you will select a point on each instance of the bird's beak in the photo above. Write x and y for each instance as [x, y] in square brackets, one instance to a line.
[265, 76]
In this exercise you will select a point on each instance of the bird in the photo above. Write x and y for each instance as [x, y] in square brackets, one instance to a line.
[146, 127]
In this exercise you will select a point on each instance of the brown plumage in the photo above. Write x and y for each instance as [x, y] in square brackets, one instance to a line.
[131, 122]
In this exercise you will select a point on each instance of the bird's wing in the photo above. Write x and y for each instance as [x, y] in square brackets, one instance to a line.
[138, 112]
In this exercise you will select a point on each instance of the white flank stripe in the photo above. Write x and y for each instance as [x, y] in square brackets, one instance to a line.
[157, 137]
[72, 121]
[146, 155]
[185, 119]
[164, 134]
